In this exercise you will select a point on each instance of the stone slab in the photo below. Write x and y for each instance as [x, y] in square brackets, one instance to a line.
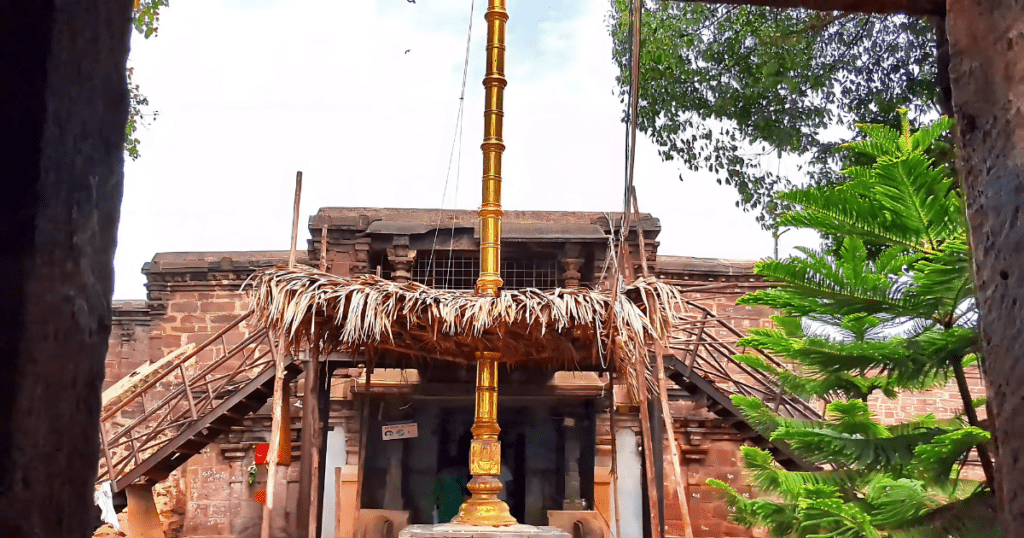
[452, 530]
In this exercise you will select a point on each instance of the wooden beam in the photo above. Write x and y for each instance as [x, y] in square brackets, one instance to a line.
[680, 483]
[653, 488]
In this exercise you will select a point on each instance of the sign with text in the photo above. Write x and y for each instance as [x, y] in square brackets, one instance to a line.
[399, 431]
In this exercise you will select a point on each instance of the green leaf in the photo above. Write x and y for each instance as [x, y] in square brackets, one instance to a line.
[937, 458]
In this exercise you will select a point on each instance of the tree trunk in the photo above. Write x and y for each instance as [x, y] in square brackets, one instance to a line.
[987, 74]
[63, 107]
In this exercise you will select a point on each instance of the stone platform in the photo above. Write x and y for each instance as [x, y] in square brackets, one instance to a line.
[453, 530]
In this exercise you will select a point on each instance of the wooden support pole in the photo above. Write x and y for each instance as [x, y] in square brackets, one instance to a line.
[653, 488]
[324, 403]
[295, 219]
[309, 460]
[363, 433]
[673, 449]
[615, 463]
[280, 456]
[639, 233]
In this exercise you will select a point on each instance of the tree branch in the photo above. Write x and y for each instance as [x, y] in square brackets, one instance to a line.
[942, 67]
[908, 7]
[972, 419]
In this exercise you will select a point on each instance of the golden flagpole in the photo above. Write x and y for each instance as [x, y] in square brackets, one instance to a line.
[484, 507]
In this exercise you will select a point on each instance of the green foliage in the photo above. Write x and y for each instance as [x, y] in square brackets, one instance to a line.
[146, 20]
[853, 325]
[724, 87]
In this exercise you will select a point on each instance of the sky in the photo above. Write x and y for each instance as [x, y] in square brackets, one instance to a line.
[363, 97]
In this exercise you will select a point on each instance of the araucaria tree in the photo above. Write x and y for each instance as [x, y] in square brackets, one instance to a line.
[853, 325]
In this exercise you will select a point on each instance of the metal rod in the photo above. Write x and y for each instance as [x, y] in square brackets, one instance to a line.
[188, 392]
[149, 384]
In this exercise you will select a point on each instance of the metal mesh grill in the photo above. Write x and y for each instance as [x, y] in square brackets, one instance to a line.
[447, 273]
[529, 274]
[461, 273]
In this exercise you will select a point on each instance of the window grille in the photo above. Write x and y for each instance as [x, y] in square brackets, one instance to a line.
[461, 273]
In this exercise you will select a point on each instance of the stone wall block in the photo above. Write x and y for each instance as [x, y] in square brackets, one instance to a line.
[216, 306]
[708, 528]
[723, 454]
[186, 307]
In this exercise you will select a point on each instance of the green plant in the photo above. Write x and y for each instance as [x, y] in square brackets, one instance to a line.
[146, 20]
[853, 325]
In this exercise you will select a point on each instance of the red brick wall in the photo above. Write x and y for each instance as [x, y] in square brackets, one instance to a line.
[193, 317]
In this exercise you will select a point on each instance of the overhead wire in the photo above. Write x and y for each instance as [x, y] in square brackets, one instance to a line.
[456, 142]
[458, 166]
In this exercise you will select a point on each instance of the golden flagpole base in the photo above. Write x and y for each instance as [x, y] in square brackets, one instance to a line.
[484, 508]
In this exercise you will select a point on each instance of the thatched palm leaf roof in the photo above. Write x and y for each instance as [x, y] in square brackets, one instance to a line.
[567, 328]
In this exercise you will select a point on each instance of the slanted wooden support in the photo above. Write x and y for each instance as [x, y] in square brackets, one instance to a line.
[680, 483]
[653, 488]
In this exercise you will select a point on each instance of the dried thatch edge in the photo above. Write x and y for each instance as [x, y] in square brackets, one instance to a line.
[283, 298]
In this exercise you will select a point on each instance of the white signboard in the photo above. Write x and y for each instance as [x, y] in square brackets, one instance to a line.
[399, 431]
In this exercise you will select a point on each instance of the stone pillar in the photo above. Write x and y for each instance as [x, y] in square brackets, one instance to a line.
[629, 484]
[402, 258]
[572, 500]
[143, 518]
[393, 482]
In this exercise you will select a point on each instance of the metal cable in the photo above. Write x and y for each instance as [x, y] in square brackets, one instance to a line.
[456, 140]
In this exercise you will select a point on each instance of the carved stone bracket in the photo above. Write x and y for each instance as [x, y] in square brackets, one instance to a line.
[402, 258]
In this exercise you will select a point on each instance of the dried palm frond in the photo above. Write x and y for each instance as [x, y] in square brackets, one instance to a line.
[560, 327]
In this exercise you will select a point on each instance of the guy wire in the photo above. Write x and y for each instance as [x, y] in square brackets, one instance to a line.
[456, 139]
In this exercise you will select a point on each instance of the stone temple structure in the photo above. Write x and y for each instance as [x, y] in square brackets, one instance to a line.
[396, 439]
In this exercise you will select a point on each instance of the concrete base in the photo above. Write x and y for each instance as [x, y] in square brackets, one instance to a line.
[452, 530]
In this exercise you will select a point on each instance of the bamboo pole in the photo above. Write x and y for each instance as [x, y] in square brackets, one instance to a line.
[280, 449]
[280, 430]
[295, 219]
